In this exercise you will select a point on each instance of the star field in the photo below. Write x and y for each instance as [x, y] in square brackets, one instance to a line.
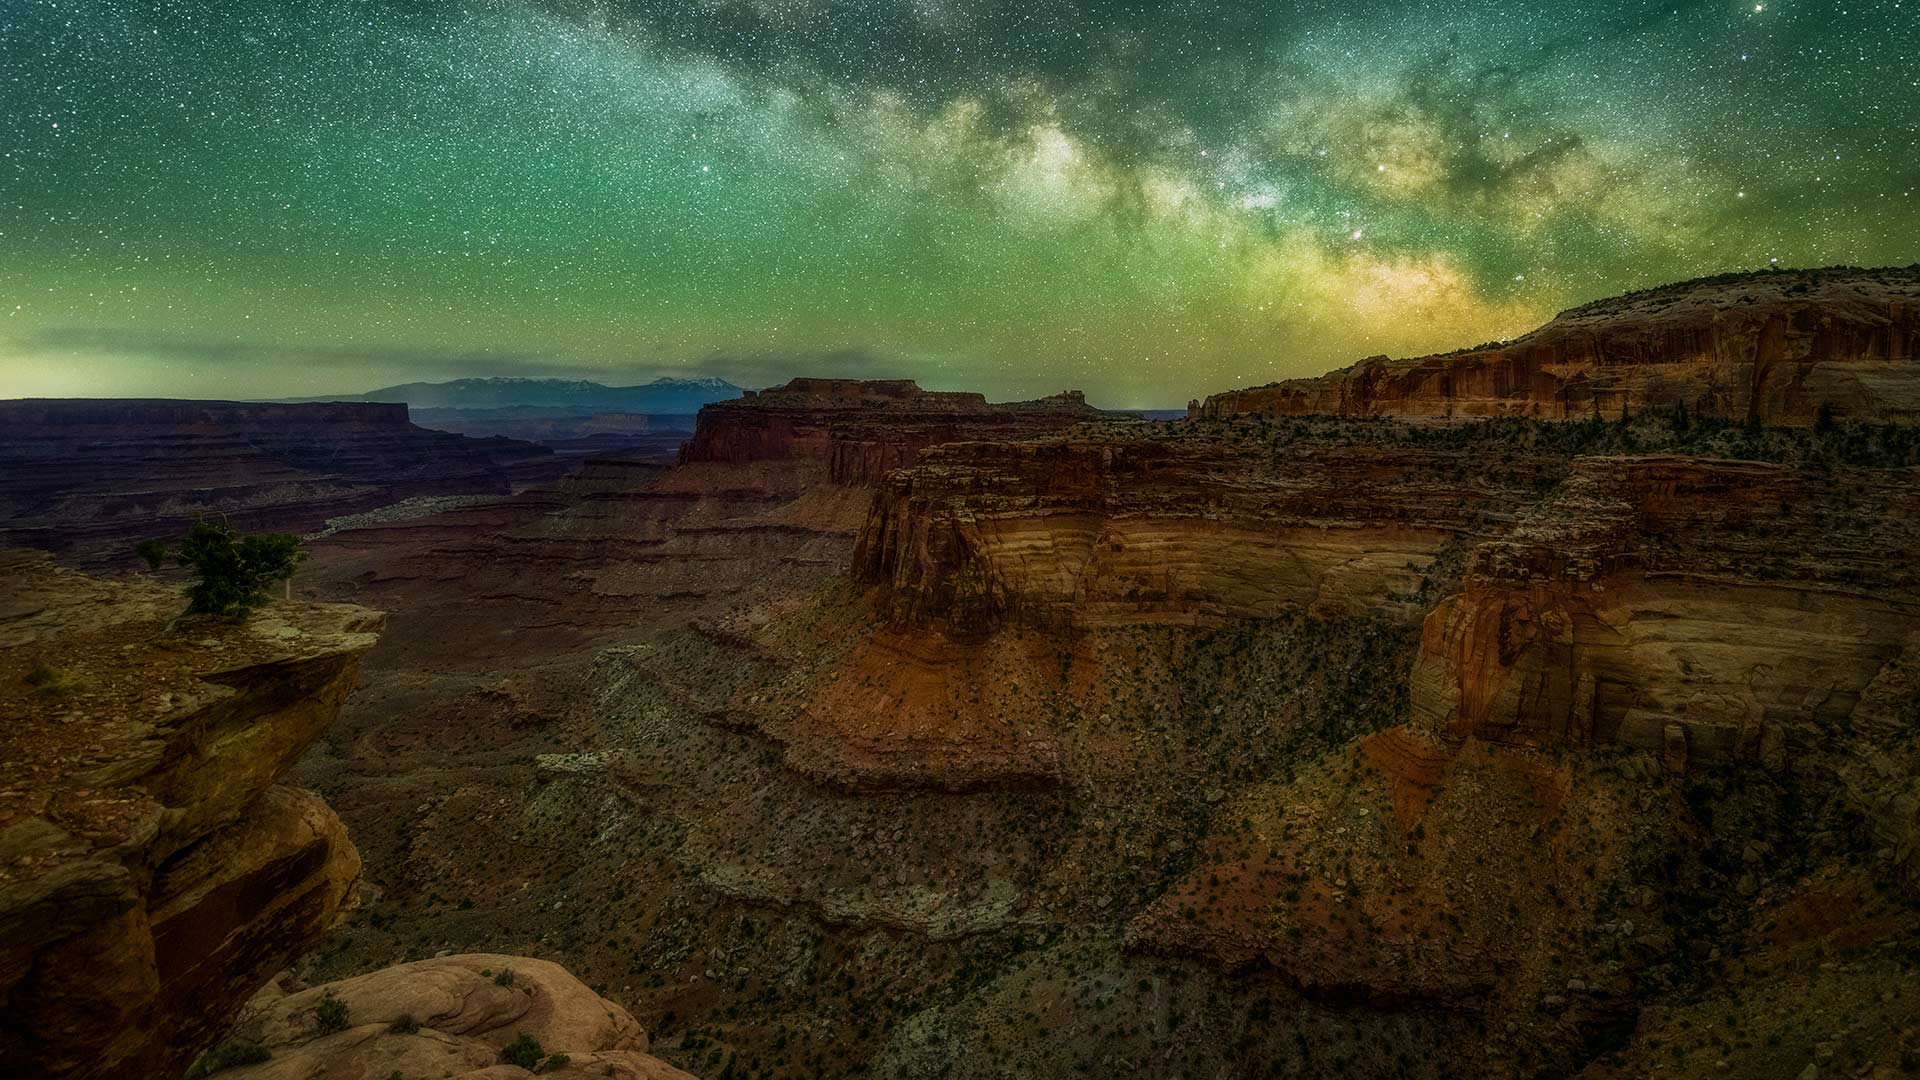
[1147, 201]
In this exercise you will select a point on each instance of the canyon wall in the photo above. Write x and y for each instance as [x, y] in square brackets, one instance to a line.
[861, 430]
[1713, 609]
[154, 873]
[1078, 532]
[1772, 347]
[88, 478]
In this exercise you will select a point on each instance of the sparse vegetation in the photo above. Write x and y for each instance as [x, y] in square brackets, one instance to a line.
[330, 1015]
[49, 680]
[226, 1055]
[523, 1051]
[233, 574]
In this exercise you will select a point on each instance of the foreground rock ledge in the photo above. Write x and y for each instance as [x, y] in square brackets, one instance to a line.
[453, 1016]
[153, 872]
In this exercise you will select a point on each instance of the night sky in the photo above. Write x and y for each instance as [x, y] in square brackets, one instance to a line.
[1147, 201]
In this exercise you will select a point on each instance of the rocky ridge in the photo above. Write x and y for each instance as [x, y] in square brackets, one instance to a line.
[1773, 348]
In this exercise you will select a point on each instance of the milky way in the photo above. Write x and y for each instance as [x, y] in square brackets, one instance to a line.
[1147, 201]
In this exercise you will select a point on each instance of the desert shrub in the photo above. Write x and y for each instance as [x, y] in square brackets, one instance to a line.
[226, 1055]
[232, 573]
[505, 978]
[153, 551]
[330, 1015]
[524, 1051]
[47, 679]
[404, 1025]
[554, 1063]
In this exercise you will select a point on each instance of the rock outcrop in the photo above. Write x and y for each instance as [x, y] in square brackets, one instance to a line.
[1079, 532]
[153, 872]
[88, 478]
[453, 1016]
[863, 429]
[1775, 347]
[1704, 610]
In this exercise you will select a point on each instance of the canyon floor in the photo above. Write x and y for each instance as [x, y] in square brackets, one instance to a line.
[803, 820]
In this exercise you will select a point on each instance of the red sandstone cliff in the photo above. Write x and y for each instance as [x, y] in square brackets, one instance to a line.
[1774, 346]
[1709, 610]
[1079, 532]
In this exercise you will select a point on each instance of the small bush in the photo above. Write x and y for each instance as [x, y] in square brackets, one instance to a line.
[524, 1051]
[330, 1015]
[226, 1055]
[554, 1063]
[47, 679]
[233, 572]
[404, 1025]
[155, 552]
[505, 978]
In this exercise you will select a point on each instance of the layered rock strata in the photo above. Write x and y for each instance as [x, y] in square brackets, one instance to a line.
[153, 872]
[88, 478]
[1082, 532]
[1705, 610]
[1774, 347]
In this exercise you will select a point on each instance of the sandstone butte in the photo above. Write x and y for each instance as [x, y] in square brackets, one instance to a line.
[155, 873]
[862, 429]
[1771, 347]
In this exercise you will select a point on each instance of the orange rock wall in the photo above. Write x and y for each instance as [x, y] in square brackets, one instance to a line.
[1773, 348]
[1708, 609]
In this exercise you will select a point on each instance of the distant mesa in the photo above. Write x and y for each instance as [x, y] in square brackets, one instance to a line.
[568, 416]
[1774, 347]
[663, 397]
[864, 428]
[91, 477]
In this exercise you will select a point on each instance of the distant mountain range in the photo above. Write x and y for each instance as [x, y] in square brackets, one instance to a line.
[661, 397]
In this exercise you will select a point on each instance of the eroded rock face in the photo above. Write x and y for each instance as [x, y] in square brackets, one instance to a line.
[1707, 610]
[1082, 532]
[447, 1017]
[89, 478]
[153, 873]
[1400, 868]
[863, 429]
[1773, 347]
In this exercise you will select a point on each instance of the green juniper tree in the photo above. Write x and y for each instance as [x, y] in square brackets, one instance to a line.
[232, 573]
